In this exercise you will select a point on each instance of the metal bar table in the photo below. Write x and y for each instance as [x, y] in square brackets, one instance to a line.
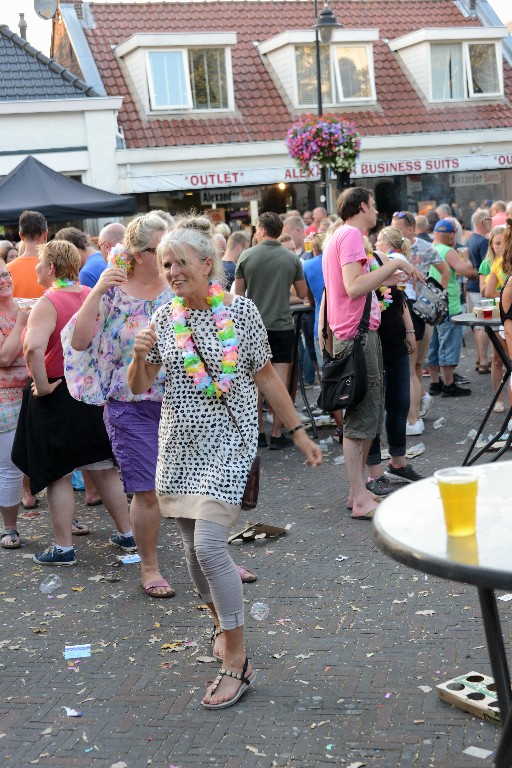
[298, 311]
[409, 527]
[491, 326]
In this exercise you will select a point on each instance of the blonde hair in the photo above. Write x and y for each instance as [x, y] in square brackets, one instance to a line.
[139, 232]
[196, 232]
[491, 253]
[317, 242]
[396, 240]
[65, 258]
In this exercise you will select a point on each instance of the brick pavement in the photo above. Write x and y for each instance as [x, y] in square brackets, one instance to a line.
[340, 658]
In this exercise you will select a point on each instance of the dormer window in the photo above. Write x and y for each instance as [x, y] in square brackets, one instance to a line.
[178, 74]
[346, 74]
[454, 64]
[462, 70]
[346, 65]
[188, 79]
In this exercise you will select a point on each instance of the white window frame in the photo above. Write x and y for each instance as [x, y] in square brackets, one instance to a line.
[189, 107]
[467, 84]
[467, 65]
[336, 87]
[186, 73]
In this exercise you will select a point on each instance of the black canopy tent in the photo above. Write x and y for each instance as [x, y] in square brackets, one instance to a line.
[33, 186]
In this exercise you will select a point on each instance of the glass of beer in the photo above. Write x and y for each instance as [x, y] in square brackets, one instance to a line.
[308, 245]
[458, 487]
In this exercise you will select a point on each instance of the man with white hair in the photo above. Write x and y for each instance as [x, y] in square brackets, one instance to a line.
[109, 237]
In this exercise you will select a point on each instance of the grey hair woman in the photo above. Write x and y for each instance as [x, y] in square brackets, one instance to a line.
[215, 351]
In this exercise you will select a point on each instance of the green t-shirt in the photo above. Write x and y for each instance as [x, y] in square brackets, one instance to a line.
[454, 305]
[485, 268]
[269, 271]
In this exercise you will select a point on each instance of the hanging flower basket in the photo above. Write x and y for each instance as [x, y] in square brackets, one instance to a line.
[325, 140]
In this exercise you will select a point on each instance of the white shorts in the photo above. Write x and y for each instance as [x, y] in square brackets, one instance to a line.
[11, 478]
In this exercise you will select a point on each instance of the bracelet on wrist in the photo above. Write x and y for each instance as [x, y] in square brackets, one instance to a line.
[410, 331]
[296, 429]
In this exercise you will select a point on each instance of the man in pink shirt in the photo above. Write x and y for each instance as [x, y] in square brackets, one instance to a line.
[348, 280]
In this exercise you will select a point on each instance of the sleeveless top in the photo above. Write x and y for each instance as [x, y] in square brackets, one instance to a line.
[66, 303]
[508, 314]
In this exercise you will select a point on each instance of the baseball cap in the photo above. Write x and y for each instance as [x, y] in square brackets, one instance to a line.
[445, 226]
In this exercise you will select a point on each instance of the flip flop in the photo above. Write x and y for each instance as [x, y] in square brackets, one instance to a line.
[80, 528]
[215, 633]
[257, 529]
[247, 576]
[245, 682]
[30, 506]
[14, 536]
[368, 516]
[158, 584]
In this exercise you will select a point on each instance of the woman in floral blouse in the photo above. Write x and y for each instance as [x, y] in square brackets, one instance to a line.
[98, 346]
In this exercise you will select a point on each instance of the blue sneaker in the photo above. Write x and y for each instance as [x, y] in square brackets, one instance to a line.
[126, 543]
[55, 556]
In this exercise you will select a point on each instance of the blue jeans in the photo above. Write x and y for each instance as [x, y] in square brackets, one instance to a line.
[445, 344]
[397, 399]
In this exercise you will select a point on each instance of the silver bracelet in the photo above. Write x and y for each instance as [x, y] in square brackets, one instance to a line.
[410, 331]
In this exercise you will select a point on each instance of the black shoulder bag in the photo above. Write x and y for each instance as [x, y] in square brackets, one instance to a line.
[344, 380]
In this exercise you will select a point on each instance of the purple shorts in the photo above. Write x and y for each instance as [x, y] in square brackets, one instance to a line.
[132, 429]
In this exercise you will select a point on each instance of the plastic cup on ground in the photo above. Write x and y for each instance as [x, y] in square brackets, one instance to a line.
[50, 584]
[259, 611]
[458, 487]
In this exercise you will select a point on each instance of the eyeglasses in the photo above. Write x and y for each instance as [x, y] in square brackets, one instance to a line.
[5, 276]
[399, 214]
[100, 245]
[149, 250]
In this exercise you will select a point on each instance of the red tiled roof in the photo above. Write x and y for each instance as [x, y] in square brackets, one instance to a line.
[261, 113]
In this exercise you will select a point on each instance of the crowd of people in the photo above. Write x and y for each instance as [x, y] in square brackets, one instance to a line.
[163, 343]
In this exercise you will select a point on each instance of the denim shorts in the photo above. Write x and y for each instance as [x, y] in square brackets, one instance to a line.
[364, 420]
[132, 429]
[445, 344]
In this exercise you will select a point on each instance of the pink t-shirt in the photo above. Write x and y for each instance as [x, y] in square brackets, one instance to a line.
[343, 313]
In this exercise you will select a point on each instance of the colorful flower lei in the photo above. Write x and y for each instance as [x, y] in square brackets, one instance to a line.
[59, 283]
[384, 291]
[192, 363]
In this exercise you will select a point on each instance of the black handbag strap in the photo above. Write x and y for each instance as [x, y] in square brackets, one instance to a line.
[364, 323]
[222, 397]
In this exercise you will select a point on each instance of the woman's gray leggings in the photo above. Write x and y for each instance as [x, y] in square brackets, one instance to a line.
[212, 569]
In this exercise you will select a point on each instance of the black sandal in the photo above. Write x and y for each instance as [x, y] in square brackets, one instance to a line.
[14, 536]
[245, 682]
[215, 633]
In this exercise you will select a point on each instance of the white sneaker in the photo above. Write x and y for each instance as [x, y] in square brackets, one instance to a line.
[415, 429]
[426, 402]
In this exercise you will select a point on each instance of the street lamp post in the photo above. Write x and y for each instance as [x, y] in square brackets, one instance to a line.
[325, 24]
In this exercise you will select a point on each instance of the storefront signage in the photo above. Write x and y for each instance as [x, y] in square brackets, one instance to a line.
[474, 179]
[218, 180]
[223, 196]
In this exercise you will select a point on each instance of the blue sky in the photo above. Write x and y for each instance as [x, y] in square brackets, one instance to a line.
[39, 31]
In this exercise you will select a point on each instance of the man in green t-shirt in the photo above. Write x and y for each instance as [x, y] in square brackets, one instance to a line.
[444, 350]
[265, 273]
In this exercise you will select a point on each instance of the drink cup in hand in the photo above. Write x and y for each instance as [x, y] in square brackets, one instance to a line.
[458, 487]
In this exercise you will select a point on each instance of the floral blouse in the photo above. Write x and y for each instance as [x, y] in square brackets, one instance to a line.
[99, 373]
[12, 381]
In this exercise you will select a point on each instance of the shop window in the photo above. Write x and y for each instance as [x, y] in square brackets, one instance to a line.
[465, 70]
[189, 79]
[347, 74]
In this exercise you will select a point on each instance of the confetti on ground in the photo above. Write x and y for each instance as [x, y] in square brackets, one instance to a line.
[255, 751]
[505, 598]
[72, 712]
[425, 688]
[129, 559]
[425, 613]
[477, 752]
